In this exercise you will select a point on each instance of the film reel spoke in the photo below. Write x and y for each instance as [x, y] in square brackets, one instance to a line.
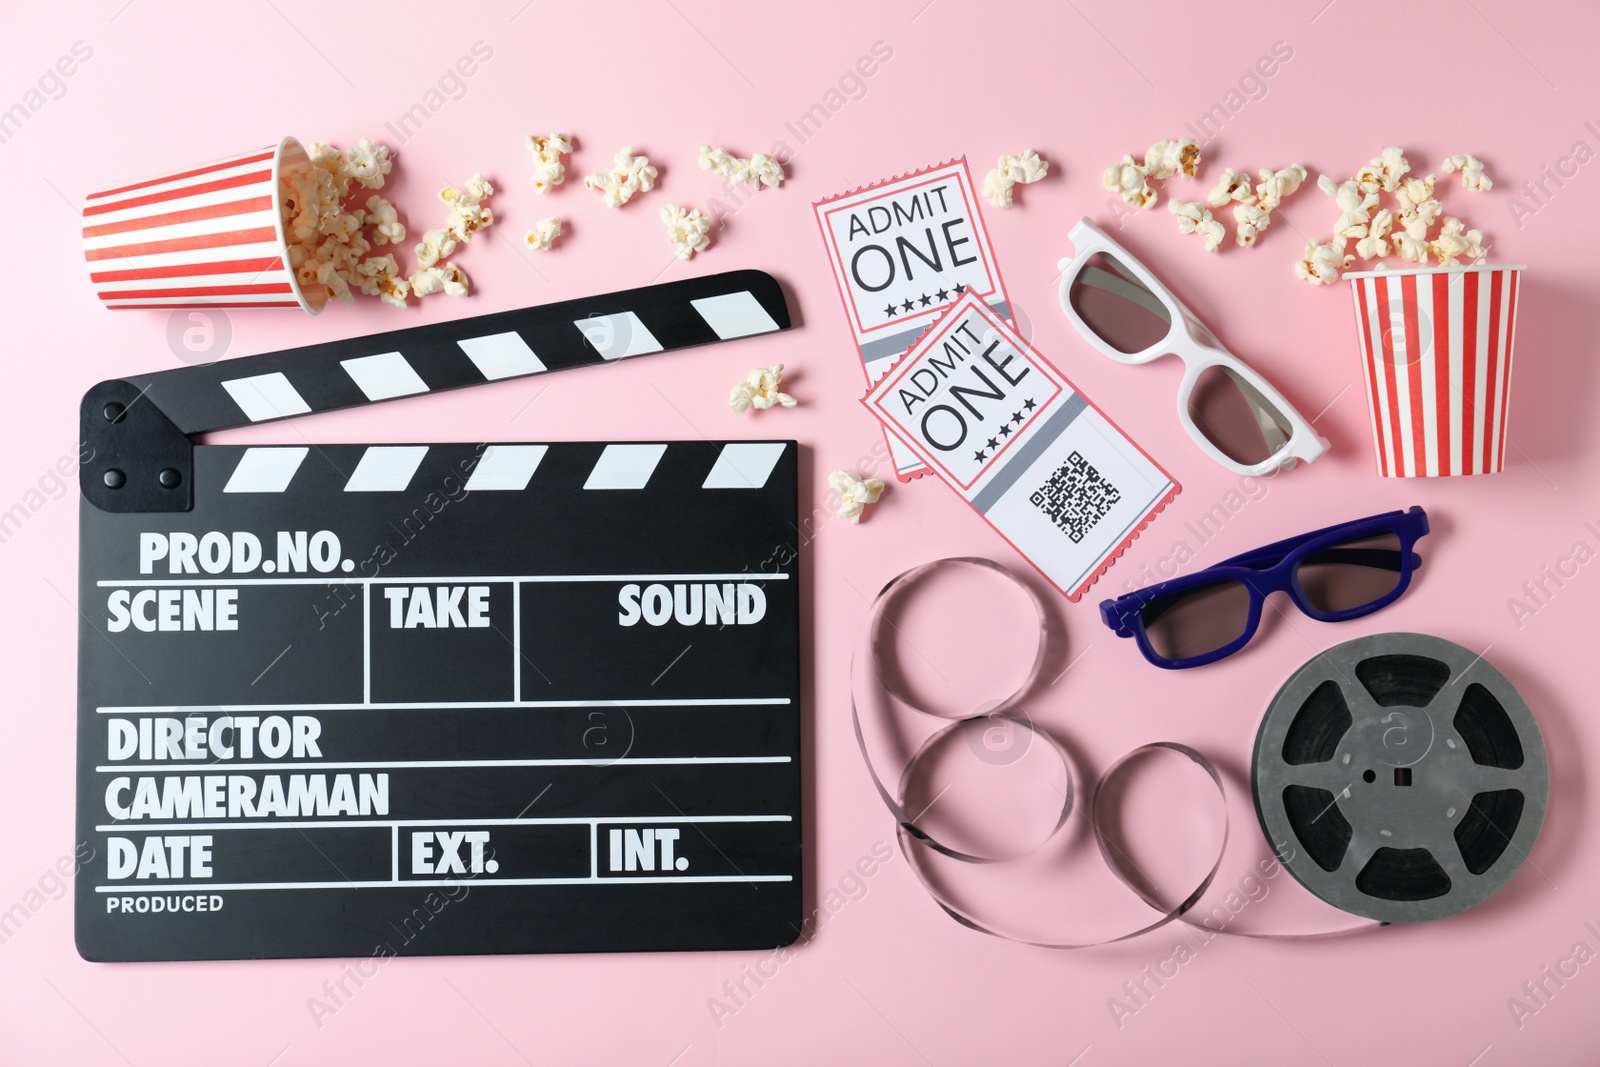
[1476, 778]
[1335, 777]
[1442, 846]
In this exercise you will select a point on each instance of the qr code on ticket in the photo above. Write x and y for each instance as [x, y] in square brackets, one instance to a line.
[1076, 497]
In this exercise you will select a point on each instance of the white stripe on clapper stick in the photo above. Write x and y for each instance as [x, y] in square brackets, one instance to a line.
[266, 396]
[734, 315]
[266, 470]
[618, 336]
[625, 466]
[384, 376]
[744, 466]
[386, 469]
[507, 467]
[501, 355]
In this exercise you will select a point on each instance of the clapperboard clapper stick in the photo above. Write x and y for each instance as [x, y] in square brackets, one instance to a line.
[346, 700]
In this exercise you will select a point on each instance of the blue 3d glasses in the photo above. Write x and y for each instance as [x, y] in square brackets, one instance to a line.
[1342, 572]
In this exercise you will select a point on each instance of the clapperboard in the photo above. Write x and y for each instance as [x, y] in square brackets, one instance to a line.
[344, 700]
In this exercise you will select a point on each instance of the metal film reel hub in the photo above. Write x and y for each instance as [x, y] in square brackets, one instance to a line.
[1400, 777]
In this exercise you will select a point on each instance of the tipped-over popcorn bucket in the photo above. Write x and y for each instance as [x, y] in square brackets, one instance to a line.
[1436, 355]
[208, 236]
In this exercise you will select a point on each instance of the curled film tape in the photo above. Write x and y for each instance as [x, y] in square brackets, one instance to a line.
[1409, 773]
[914, 836]
[1394, 690]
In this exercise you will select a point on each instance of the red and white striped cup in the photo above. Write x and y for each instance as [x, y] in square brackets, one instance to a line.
[209, 236]
[1436, 354]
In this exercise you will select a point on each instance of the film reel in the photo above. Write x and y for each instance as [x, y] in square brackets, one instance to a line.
[1404, 773]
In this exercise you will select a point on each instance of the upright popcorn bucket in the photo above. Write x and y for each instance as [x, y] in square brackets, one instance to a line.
[1436, 354]
[209, 236]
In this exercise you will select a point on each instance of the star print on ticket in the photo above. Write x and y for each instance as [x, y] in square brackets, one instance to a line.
[1030, 453]
[903, 252]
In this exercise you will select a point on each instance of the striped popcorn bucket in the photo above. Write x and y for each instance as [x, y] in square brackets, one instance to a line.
[1436, 355]
[208, 236]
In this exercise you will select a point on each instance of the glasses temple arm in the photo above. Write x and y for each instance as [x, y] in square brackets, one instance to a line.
[1413, 522]
[1383, 559]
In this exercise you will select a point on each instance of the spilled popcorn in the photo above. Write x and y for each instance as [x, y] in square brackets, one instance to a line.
[855, 493]
[327, 236]
[445, 278]
[1456, 242]
[1253, 204]
[434, 246]
[1403, 230]
[469, 213]
[1472, 175]
[1196, 218]
[1355, 209]
[380, 277]
[385, 221]
[631, 174]
[544, 234]
[1163, 160]
[1321, 264]
[759, 171]
[1375, 244]
[1166, 159]
[689, 231]
[330, 239]
[1276, 185]
[759, 390]
[1129, 181]
[1384, 172]
[548, 169]
[1025, 168]
[1233, 185]
[368, 163]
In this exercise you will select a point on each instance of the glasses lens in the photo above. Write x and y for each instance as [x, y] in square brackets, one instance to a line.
[1235, 417]
[1117, 306]
[1353, 574]
[1197, 621]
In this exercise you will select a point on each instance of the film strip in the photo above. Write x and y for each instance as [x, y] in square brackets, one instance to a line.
[1449, 820]
[439, 698]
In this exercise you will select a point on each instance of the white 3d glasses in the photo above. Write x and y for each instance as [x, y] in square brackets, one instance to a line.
[1234, 415]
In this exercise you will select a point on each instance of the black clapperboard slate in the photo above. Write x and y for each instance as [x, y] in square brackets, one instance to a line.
[339, 700]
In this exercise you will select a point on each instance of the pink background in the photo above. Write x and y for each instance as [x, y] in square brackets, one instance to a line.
[889, 978]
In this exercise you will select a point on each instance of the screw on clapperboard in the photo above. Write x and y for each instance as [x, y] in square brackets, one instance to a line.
[199, 335]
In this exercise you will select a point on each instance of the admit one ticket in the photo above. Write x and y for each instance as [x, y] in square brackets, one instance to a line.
[1002, 427]
[903, 251]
